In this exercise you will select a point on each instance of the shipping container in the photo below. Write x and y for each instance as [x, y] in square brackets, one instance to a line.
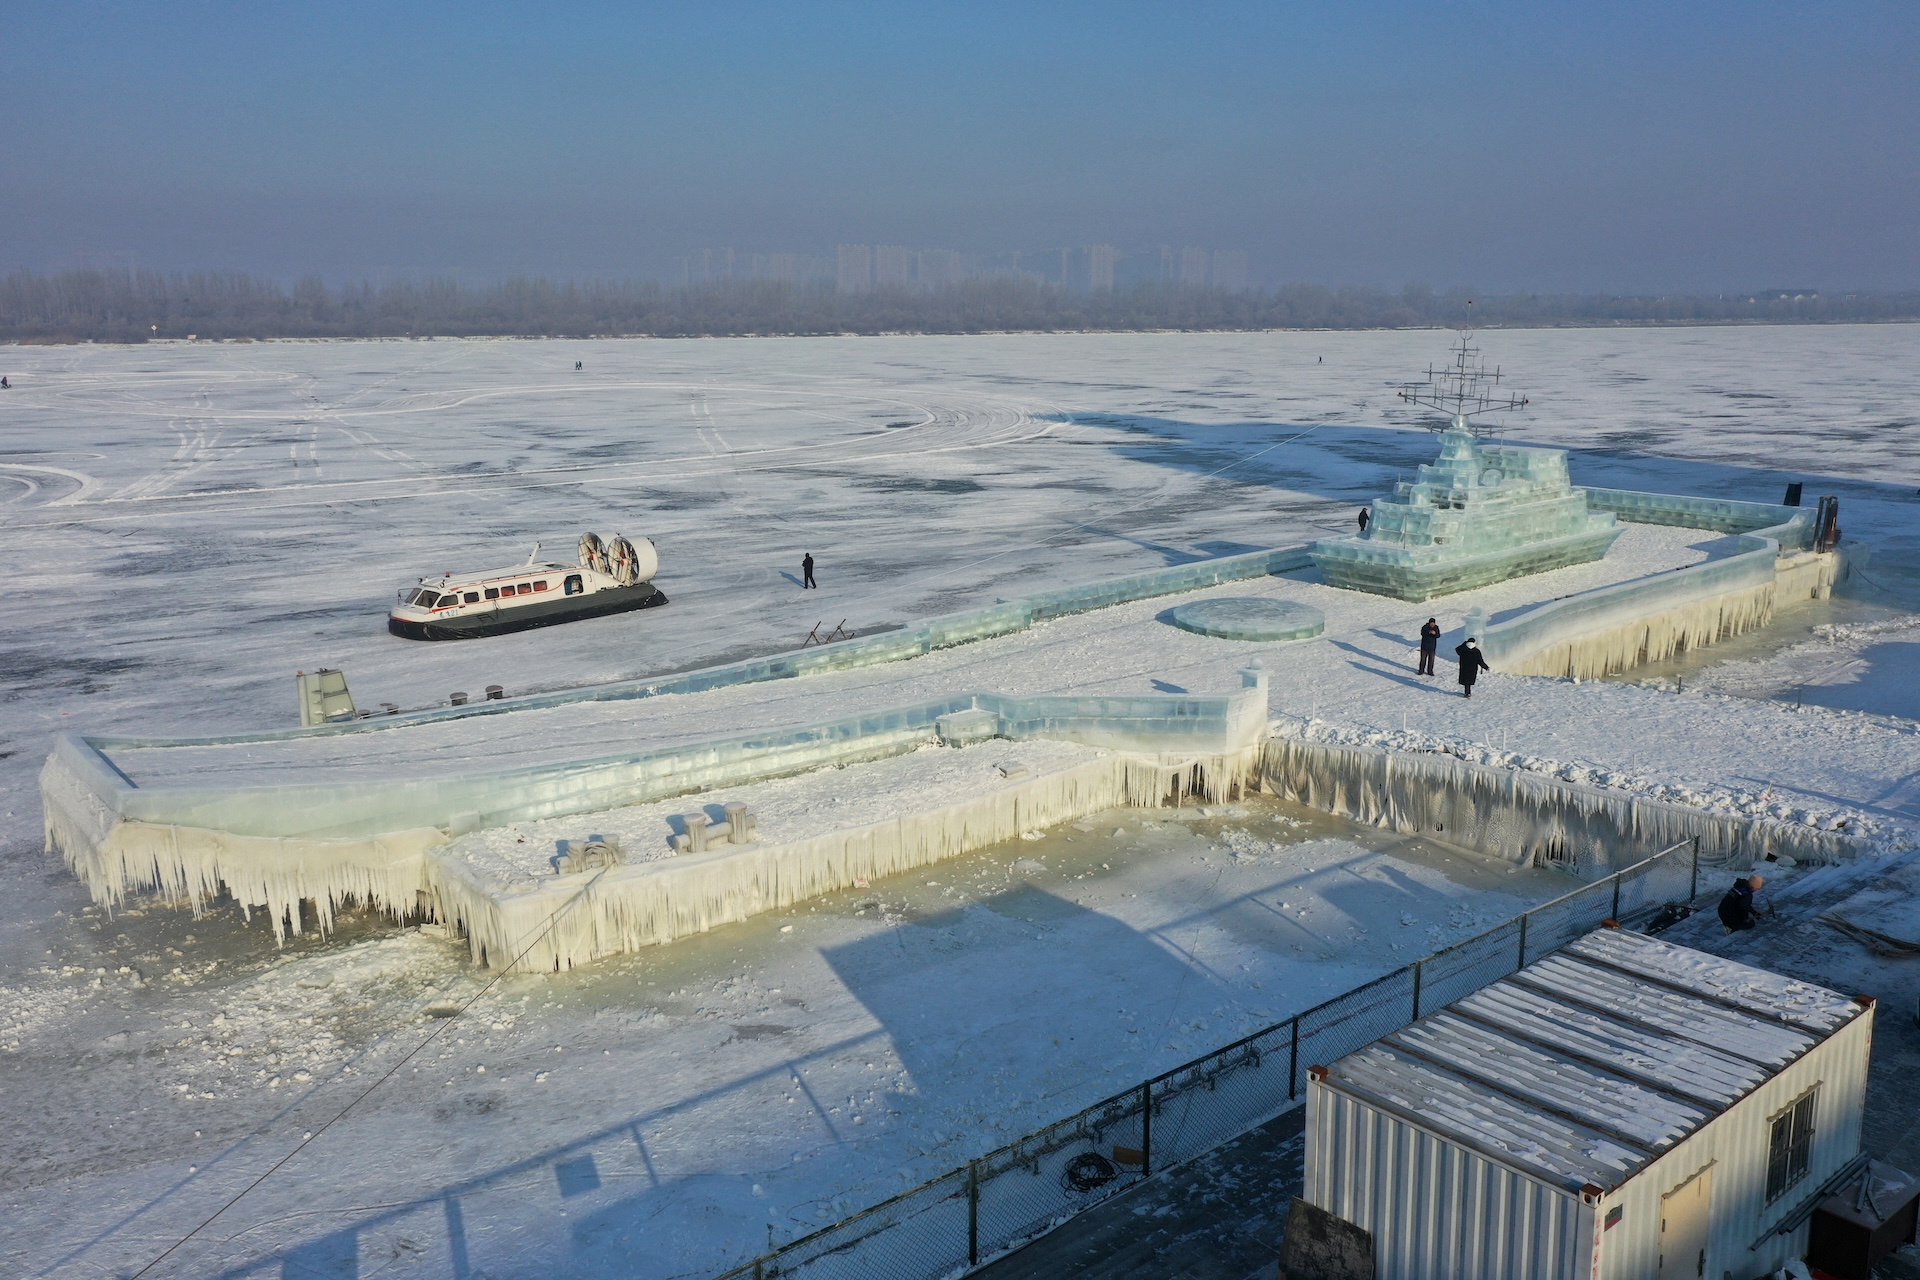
[1623, 1109]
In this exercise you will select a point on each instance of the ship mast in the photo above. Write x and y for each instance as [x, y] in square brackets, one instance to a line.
[1462, 390]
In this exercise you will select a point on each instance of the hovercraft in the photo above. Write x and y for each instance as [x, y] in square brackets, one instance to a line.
[614, 576]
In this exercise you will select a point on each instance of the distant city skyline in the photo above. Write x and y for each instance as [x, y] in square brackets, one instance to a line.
[1635, 147]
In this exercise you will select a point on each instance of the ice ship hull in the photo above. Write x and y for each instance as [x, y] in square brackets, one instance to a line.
[524, 617]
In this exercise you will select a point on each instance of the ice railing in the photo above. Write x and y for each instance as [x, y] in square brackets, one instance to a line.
[81, 772]
[1751, 567]
[1019, 1192]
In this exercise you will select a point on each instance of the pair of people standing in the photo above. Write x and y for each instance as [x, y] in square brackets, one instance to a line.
[1472, 661]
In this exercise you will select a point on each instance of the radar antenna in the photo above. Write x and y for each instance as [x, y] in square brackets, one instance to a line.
[1462, 390]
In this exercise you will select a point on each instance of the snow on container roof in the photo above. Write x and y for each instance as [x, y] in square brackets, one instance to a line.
[1585, 1066]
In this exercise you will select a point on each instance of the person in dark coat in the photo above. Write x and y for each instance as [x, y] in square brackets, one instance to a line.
[1429, 645]
[1736, 909]
[1365, 519]
[1472, 663]
[806, 572]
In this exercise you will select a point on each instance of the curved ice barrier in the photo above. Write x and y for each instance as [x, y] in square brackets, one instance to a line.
[1611, 628]
[368, 840]
[1520, 816]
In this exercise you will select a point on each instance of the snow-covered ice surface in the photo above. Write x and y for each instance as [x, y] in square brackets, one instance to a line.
[189, 524]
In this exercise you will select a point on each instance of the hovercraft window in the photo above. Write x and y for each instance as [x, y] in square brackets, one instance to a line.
[540, 585]
[447, 602]
[524, 588]
[473, 597]
[573, 584]
[493, 593]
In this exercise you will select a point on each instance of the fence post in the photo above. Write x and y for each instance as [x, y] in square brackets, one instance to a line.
[973, 1213]
[1146, 1129]
[1615, 913]
[1693, 886]
[1293, 1060]
[1524, 915]
[1418, 967]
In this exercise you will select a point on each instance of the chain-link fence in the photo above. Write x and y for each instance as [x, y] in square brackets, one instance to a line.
[1007, 1197]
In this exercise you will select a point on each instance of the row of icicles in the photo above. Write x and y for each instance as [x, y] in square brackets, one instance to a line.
[615, 557]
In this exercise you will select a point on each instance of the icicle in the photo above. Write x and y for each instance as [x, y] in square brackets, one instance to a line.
[1522, 816]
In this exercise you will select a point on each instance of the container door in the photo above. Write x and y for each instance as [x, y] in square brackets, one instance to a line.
[1683, 1228]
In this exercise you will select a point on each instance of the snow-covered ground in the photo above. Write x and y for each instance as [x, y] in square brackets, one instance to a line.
[189, 524]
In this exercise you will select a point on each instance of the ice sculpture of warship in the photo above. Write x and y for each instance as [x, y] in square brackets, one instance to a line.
[612, 577]
[1479, 513]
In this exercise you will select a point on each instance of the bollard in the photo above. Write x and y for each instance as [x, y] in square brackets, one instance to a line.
[737, 821]
[456, 699]
[495, 693]
[696, 831]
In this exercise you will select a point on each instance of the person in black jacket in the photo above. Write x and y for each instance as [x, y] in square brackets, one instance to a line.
[1736, 909]
[1429, 645]
[1366, 518]
[806, 570]
[1472, 663]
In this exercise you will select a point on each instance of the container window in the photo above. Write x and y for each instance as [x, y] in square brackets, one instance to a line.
[493, 593]
[1789, 1145]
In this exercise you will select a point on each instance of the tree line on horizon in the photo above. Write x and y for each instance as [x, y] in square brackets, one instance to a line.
[139, 306]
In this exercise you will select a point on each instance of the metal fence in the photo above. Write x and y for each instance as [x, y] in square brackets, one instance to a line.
[1008, 1197]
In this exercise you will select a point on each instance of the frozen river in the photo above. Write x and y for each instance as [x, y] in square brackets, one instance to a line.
[191, 524]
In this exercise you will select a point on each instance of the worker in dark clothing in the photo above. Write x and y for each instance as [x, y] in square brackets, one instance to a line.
[1472, 663]
[806, 572]
[1429, 645]
[1365, 519]
[1736, 909]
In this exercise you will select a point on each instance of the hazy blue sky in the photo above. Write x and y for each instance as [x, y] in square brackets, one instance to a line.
[1634, 146]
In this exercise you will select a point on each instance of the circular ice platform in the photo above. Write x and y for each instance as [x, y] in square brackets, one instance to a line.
[1250, 618]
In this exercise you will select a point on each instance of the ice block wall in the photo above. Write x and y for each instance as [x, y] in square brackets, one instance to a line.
[362, 840]
[1615, 627]
[646, 904]
[1522, 816]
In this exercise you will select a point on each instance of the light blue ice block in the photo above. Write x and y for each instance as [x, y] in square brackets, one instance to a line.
[1478, 514]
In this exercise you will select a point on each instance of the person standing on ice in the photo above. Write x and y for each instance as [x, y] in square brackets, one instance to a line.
[1365, 519]
[1429, 645]
[1736, 909]
[1472, 663]
[806, 572]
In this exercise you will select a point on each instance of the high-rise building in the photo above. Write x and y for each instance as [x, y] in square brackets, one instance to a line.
[1230, 269]
[892, 267]
[939, 269]
[856, 268]
[1193, 266]
[784, 267]
[1100, 260]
